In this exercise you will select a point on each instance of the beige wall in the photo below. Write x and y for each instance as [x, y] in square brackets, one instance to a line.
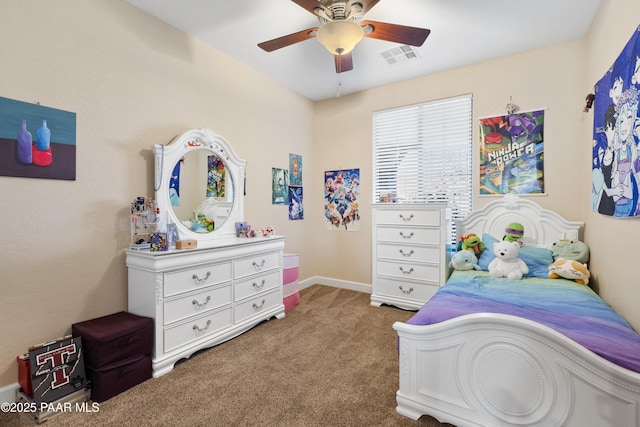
[132, 81]
[551, 78]
[557, 78]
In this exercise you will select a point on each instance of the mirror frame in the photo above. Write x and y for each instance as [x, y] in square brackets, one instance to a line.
[166, 157]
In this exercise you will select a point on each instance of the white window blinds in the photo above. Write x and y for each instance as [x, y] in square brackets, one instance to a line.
[422, 153]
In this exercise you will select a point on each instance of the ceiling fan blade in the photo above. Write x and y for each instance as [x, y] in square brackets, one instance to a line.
[395, 33]
[343, 62]
[309, 5]
[288, 40]
[366, 4]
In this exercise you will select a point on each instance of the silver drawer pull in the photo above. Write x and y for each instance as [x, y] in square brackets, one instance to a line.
[258, 307]
[197, 328]
[409, 218]
[406, 236]
[405, 292]
[409, 271]
[194, 302]
[199, 280]
[258, 266]
[406, 254]
[260, 286]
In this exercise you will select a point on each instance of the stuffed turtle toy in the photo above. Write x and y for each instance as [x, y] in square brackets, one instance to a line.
[514, 232]
[471, 242]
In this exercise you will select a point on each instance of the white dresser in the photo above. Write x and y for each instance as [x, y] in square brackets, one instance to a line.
[202, 297]
[408, 253]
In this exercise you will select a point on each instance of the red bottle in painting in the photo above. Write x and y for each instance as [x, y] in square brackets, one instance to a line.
[25, 143]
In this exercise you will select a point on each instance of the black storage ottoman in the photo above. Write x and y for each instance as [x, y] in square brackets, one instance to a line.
[117, 377]
[117, 351]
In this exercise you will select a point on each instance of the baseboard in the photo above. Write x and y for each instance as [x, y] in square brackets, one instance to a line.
[336, 283]
[8, 393]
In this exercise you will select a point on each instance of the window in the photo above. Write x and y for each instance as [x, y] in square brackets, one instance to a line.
[422, 153]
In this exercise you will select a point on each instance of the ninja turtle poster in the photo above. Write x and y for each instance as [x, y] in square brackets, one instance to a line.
[512, 153]
[615, 167]
[342, 199]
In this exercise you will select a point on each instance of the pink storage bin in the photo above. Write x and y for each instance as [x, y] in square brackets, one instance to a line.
[289, 275]
[291, 301]
[290, 289]
[290, 261]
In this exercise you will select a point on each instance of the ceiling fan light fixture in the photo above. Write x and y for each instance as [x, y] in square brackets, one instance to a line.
[339, 37]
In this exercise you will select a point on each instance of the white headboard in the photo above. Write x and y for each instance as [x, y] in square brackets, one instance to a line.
[542, 227]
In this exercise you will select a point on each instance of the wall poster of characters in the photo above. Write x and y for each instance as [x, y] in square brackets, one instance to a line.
[342, 199]
[616, 134]
[216, 176]
[295, 167]
[296, 209]
[279, 186]
[512, 153]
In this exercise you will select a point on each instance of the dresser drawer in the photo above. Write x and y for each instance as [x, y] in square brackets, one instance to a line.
[429, 236]
[408, 252]
[176, 336]
[410, 271]
[255, 264]
[196, 278]
[257, 305]
[196, 302]
[409, 217]
[257, 284]
[399, 289]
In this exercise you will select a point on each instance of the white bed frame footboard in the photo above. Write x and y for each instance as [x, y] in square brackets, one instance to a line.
[499, 370]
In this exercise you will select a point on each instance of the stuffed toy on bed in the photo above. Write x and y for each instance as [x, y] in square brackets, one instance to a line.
[569, 269]
[464, 260]
[507, 264]
[514, 232]
[471, 242]
[571, 249]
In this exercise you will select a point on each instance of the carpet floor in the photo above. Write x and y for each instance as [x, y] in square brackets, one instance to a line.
[332, 361]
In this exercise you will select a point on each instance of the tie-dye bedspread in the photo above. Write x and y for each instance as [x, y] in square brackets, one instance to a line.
[571, 309]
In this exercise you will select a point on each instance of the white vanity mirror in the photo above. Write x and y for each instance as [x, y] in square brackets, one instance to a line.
[227, 285]
[199, 184]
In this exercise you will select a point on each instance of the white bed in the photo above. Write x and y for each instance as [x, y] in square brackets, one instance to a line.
[500, 370]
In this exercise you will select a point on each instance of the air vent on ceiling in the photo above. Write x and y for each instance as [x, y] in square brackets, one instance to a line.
[397, 55]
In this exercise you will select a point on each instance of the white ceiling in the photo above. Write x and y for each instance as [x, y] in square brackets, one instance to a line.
[463, 32]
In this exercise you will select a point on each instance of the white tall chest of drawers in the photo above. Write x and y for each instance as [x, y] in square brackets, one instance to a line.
[408, 253]
[202, 297]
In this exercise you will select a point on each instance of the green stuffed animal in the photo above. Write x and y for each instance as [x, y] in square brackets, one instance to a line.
[471, 242]
[514, 232]
[571, 249]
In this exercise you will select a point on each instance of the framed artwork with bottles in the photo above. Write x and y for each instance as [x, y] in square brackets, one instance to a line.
[36, 141]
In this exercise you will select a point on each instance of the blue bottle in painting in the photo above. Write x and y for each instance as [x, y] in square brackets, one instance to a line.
[44, 137]
[25, 144]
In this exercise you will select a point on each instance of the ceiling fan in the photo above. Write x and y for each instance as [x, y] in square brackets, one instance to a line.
[342, 28]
